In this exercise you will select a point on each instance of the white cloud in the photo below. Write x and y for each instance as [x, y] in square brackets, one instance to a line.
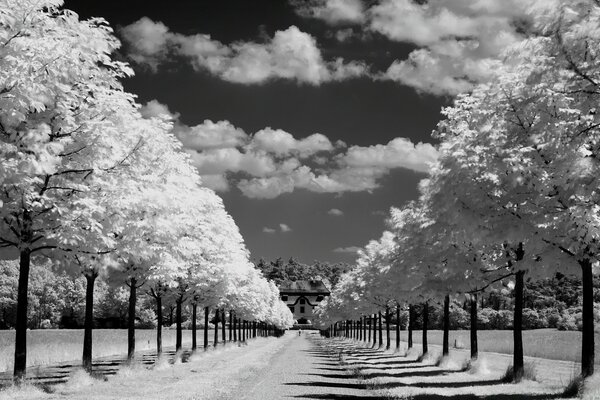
[458, 42]
[280, 142]
[285, 228]
[211, 135]
[398, 153]
[269, 230]
[291, 54]
[148, 40]
[335, 212]
[217, 182]
[332, 11]
[350, 249]
[273, 162]
[153, 109]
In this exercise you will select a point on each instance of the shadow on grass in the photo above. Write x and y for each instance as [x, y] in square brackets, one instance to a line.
[331, 396]
[408, 374]
[332, 376]
[339, 385]
[517, 396]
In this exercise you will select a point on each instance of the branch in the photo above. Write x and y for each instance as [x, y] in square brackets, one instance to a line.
[560, 247]
[490, 283]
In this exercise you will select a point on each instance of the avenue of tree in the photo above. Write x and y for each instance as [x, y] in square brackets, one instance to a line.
[89, 184]
[513, 194]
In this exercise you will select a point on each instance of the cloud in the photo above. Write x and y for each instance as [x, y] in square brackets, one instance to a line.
[290, 54]
[154, 109]
[148, 39]
[285, 228]
[350, 249]
[282, 228]
[398, 153]
[458, 42]
[280, 142]
[272, 162]
[331, 11]
[335, 212]
[211, 135]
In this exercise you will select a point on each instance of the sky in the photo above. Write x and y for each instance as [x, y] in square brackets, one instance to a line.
[310, 118]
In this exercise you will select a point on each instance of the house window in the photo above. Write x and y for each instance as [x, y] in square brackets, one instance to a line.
[284, 298]
[302, 301]
[302, 310]
[292, 309]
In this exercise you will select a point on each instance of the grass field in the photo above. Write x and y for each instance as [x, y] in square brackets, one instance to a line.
[543, 343]
[45, 347]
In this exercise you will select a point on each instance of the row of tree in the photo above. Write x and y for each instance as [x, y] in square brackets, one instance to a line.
[90, 184]
[514, 191]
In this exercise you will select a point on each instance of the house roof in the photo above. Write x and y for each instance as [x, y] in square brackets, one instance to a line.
[304, 287]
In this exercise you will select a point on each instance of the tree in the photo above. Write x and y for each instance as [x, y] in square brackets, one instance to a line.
[58, 149]
[525, 147]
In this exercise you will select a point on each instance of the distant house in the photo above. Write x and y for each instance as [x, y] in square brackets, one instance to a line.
[302, 297]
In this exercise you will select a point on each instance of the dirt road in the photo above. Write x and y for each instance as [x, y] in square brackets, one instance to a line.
[302, 369]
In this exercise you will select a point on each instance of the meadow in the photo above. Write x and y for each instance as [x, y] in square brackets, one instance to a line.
[543, 343]
[52, 346]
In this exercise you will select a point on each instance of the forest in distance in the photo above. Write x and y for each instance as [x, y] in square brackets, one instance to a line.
[57, 300]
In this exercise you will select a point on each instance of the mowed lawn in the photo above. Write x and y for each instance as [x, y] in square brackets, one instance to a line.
[52, 346]
[543, 343]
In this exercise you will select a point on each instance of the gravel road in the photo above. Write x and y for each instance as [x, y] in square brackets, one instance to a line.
[302, 369]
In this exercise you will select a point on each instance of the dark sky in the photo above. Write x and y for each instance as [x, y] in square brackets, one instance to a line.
[359, 111]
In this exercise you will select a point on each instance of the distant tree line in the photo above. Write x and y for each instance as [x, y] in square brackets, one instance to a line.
[57, 300]
[280, 271]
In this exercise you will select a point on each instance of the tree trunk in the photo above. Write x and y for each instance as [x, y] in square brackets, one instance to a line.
[380, 329]
[206, 328]
[445, 344]
[235, 328]
[518, 364]
[230, 325]
[360, 328]
[373, 329]
[178, 333]
[89, 321]
[223, 320]
[587, 343]
[398, 327]
[425, 322]
[474, 349]
[387, 328]
[254, 329]
[410, 326]
[216, 338]
[194, 326]
[131, 320]
[159, 319]
[239, 324]
[21, 326]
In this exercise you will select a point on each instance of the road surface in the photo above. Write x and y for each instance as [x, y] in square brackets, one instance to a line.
[302, 369]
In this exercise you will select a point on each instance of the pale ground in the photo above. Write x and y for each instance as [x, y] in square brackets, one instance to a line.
[396, 375]
[267, 368]
[308, 367]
